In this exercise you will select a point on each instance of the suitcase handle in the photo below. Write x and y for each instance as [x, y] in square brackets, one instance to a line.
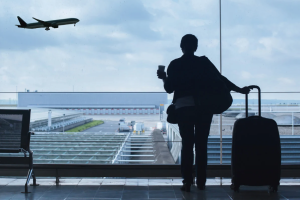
[259, 99]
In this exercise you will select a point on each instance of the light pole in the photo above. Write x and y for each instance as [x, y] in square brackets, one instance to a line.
[63, 123]
[49, 119]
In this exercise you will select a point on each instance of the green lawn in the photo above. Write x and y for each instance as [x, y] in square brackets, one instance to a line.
[86, 126]
[237, 109]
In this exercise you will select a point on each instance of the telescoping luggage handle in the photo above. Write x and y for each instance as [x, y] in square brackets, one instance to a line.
[259, 100]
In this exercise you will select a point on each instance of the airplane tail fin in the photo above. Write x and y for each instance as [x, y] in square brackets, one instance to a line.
[22, 22]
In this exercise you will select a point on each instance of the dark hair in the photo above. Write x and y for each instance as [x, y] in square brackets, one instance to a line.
[189, 42]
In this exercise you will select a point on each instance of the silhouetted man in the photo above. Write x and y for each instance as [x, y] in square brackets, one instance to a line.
[193, 121]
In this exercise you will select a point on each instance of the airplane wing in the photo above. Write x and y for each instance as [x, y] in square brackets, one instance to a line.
[43, 22]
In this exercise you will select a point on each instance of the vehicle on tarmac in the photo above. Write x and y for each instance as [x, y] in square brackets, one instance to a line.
[122, 120]
[139, 127]
[123, 126]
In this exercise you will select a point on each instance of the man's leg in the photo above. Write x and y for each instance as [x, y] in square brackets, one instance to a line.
[187, 155]
[202, 128]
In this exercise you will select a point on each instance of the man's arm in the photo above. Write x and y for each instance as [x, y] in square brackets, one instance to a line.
[168, 80]
[168, 85]
[232, 86]
[229, 84]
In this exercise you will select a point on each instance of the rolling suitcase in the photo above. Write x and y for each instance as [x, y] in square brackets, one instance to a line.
[256, 151]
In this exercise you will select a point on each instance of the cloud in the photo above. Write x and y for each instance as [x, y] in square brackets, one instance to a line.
[110, 68]
[97, 20]
[269, 47]
[198, 23]
[246, 75]
[286, 81]
[250, 76]
[242, 44]
[117, 45]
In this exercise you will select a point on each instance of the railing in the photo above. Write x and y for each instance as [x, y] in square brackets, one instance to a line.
[91, 152]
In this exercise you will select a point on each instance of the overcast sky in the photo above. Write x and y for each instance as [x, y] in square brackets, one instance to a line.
[117, 45]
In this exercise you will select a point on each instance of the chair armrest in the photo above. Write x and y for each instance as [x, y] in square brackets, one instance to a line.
[29, 136]
[7, 150]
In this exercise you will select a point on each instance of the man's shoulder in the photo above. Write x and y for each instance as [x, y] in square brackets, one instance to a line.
[201, 57]
[175, 61]
[174, 64]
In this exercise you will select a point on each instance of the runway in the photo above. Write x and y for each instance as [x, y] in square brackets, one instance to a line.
[107, 126]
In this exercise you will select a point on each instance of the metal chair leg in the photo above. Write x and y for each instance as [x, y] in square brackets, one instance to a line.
[34, 179]
[26, 189]
[28, 180]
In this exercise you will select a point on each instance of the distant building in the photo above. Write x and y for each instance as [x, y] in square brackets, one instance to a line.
[104, 103]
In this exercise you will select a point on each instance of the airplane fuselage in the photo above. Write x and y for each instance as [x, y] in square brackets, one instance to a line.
[51, 23]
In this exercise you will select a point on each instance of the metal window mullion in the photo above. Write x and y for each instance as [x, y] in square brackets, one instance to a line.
[220, 117]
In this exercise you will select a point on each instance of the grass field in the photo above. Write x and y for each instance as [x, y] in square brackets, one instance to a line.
[237, 109]
[86, 126]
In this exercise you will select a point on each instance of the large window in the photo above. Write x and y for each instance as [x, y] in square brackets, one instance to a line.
[90, 72]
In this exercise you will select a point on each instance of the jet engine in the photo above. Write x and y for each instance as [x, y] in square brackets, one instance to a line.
[54, 25]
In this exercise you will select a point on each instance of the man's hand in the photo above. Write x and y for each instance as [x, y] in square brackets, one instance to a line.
[245, 90]
[161, 74]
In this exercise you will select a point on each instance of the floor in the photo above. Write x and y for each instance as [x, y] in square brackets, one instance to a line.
[139, 189]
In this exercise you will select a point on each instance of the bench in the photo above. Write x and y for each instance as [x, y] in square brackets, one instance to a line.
[15, 139]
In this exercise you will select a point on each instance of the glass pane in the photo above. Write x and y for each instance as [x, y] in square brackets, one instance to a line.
[258, 41]
[115, 47]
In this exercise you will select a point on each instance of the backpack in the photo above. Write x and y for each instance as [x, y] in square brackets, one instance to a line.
[211, 93]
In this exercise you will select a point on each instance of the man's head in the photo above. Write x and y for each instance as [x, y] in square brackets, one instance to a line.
[189, 43]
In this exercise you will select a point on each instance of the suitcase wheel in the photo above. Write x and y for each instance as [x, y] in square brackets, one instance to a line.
[273, 189]
[235, 188]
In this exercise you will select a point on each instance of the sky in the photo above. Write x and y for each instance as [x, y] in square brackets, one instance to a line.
[118, 44]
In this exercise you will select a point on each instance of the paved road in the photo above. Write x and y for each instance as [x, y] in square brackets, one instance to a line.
[108, 126]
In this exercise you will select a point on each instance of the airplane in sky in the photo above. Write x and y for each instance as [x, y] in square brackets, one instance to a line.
[47, 24]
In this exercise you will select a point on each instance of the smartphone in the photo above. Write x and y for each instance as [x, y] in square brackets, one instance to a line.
[161, 67]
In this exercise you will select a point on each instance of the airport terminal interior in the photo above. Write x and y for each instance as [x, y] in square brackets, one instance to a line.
[83, 115]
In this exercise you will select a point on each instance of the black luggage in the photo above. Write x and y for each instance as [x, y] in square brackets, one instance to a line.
[256, 151]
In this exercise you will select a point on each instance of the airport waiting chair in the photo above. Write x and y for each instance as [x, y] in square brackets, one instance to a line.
[14, 139]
